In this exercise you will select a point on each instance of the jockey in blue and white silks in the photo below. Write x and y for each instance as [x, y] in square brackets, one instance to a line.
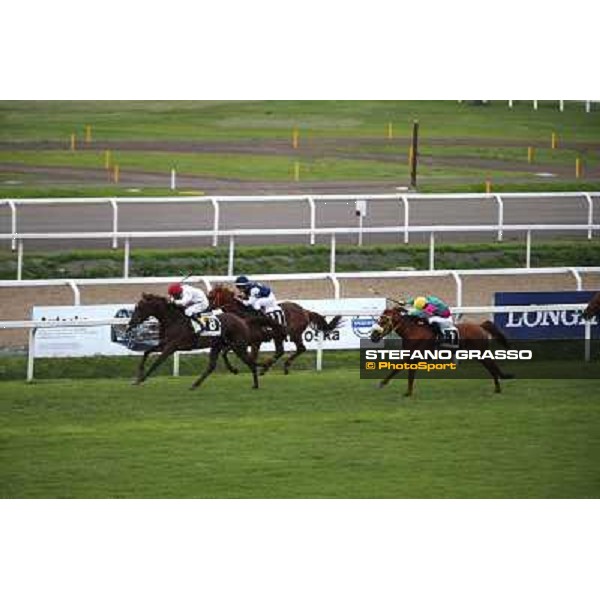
[257, 295]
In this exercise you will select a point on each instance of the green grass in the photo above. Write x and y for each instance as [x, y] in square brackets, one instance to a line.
[56, 120]
[297, 259]
[245, 167]
[309, 435]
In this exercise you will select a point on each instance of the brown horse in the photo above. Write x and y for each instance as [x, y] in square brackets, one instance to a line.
[418, 335]
[297, 319]
[593, 308]
[176, 333]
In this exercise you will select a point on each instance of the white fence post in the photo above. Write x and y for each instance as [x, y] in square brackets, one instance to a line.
[561, 105]
[528, 250]
[406, 215]
[588, 340]
[500, 216]
[332, 254]
[588, 106]
[313, 218]
[176, 364]
[76, 293]
[319, 363]
[31, 354]
[173, 180]
[13, 224]
[115, 208]
[590, 215]
[535, 105]
[510, 104]
[432, 251]
[215, 204]
[126, 259]
[231, 256]
[20, 260]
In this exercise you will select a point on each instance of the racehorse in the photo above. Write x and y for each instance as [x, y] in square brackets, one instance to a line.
[297, 319]
[593, 308]
[418, 335]
[176, 333]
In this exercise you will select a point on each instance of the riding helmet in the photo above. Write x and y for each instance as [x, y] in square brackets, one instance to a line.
[420, 303]
[175, 289]
[242, 281]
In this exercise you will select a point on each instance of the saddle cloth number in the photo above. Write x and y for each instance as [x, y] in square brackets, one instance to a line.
[451, 336]
[277, 315]
[211, 326]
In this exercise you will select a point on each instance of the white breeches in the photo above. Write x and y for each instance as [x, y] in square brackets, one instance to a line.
[266, 304]
[444, 323]
[195, 309]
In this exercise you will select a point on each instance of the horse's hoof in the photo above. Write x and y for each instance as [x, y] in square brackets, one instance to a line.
[380, 385]
[136, 382]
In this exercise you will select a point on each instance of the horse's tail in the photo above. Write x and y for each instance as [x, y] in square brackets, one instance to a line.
[321, 323]
[495, 332]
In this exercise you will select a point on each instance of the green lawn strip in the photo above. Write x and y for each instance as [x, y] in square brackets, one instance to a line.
[297, 259]
[242, 120]
[309, 434]
[240, 167]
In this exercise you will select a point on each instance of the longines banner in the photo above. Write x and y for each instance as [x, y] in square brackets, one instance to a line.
[107, 340]
[544, 324]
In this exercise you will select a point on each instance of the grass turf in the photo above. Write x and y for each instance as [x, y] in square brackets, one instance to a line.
[311, 434]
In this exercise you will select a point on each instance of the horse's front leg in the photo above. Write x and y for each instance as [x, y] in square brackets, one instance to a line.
[140, 372]
[279, 350]
[166, 352]
[411, 382]
[300, 349]
[213, 357]
[387, 379]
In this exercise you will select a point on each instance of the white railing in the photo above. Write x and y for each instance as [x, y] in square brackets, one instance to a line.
[33, 326]
[334, 278]
[331, 232]
[403, 200]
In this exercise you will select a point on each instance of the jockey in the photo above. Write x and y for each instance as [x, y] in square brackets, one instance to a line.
[257, 295]
[193, 300]
[436, 312]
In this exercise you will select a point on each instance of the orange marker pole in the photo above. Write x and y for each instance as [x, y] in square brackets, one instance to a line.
[116, 174]
[390, 131]
[72, 142]
[554, 141]
[88, 134]
[530, 154]
[410, 156]
[488, 187]
[578, 169]
[107, 159]
[295, 138]
[296, 171]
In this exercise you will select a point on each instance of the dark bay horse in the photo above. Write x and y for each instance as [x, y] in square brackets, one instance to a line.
[593, 308]
[176, 333]
[418, 335]
[297, 319]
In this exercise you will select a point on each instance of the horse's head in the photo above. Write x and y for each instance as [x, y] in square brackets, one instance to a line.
[149, 306]
[593, 308]
[220, 296]
[386, 323]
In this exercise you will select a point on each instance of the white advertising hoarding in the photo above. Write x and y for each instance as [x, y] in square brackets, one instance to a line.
[107, 340]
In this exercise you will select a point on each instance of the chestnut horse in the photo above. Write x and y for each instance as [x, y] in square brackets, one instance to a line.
[297, 319]
[593, 308]
[176, 333]
[418, 335]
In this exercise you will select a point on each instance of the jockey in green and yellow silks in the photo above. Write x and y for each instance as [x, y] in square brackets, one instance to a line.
[435, 311]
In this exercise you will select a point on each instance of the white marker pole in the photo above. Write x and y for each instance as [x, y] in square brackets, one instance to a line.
[173, 181]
